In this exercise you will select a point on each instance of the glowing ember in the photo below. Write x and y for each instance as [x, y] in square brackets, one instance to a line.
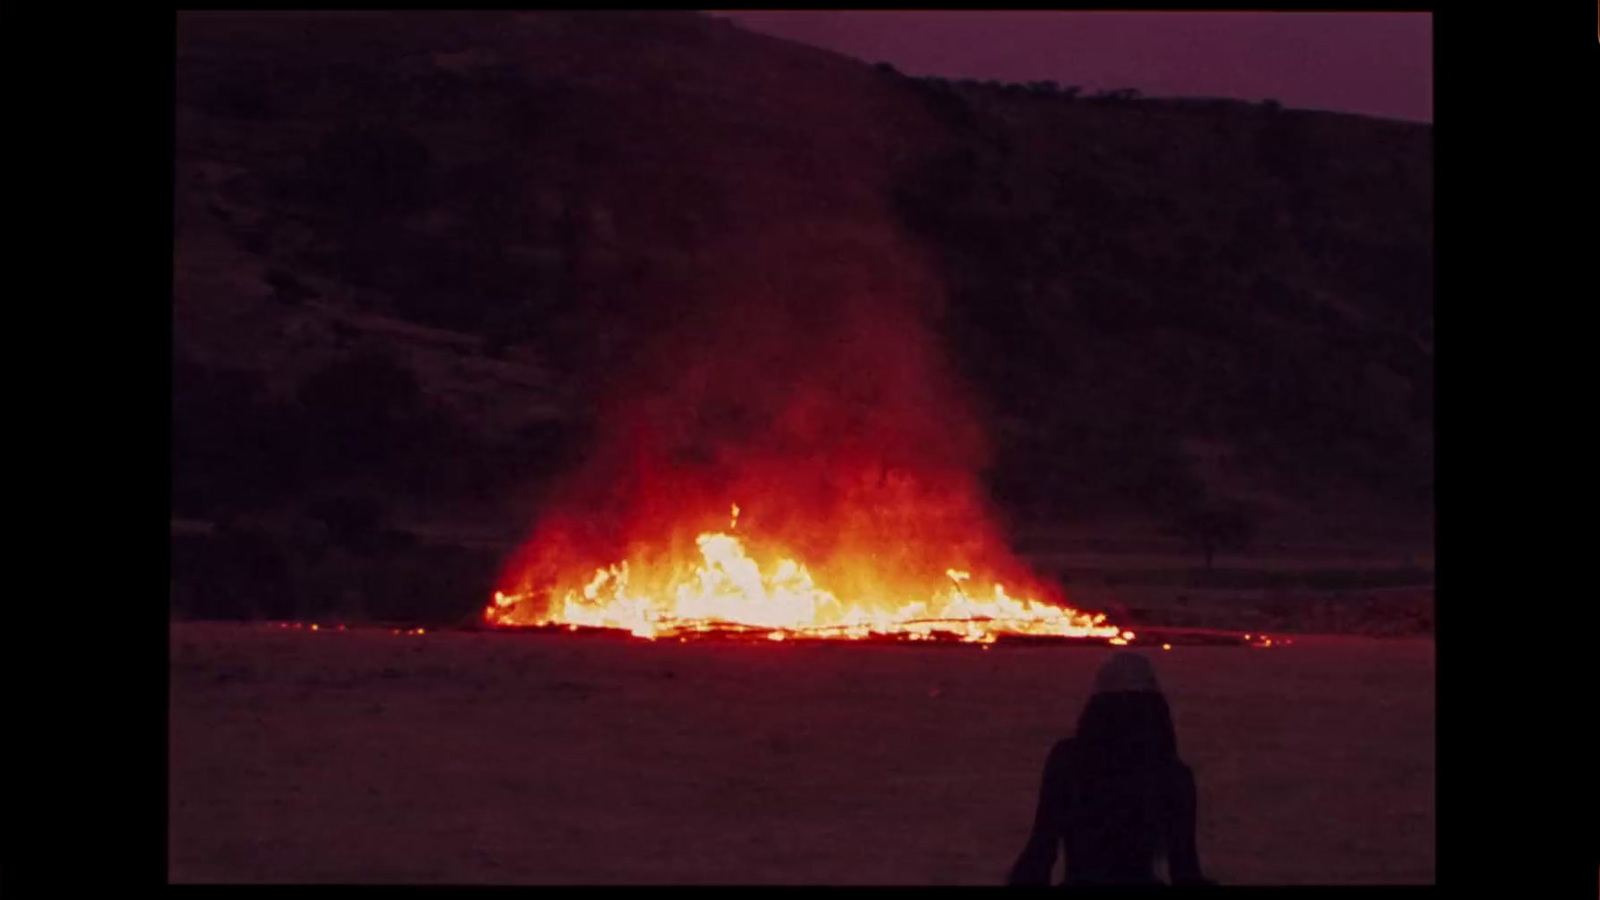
[728, 589]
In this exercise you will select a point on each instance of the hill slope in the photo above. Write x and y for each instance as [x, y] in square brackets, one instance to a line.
[415, 253]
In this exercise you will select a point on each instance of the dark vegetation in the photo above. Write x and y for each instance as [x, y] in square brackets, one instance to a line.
[1124, 275]
[1215, 526]
[1121, 280]
[248, 573]
[299, 492]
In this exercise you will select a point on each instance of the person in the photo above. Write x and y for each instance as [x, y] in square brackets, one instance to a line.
[1116, 798]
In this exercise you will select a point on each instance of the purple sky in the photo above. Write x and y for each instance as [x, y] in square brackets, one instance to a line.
[1378, 64]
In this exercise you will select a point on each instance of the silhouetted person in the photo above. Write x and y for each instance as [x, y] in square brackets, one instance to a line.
[1116, 798]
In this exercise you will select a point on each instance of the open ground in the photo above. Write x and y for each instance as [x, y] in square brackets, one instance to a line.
[466, 758]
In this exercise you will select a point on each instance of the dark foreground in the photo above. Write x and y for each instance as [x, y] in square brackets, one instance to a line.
[365, 756]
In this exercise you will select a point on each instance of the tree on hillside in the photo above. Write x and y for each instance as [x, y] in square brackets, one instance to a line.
[1216, 525]
[354, 521]
[232, 445]
[371, 171]
[1120, 95]
[1282, 147]
[241, 93]
[357, 414]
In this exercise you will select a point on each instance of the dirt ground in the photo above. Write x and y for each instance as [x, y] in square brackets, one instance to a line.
[365, 756]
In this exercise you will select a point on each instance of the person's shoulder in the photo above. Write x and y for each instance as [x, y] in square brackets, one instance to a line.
[1063, 751]
[1183, 775]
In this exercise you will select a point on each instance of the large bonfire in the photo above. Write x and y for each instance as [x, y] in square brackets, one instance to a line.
[788, 462]
[663, 594]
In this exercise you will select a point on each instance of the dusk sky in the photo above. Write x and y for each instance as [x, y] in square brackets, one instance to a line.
[1378, 64]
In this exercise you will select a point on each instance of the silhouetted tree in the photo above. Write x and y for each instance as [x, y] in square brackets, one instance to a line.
[352, 520]
[232, 446]
[241, 93]
[1282, 148]
[1216, 525]
[357, 414]
[287, 289]
[238, 573]
[371, 171]
[1118, 95]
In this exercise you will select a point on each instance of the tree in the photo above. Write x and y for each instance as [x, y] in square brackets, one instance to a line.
[1283, 148]
[358, 414]
[241, 93]
[1120, 95]
[232, 445]
[1216, 525]
[287, 289]
[372, 171]
[353, 520]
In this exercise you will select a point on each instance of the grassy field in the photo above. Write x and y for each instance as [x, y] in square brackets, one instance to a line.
[365, 756]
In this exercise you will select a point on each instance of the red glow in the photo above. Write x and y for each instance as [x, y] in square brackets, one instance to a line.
[792, 453]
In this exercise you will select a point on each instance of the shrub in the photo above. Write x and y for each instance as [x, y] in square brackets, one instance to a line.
[1216, 525]
[371, 171]
[233, 448]
[237, 574]
[241, 93]
[287, 289]
[353, 521]
[358, 414]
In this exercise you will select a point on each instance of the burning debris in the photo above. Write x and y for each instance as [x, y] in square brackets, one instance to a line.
[980, 631]
[727, 591]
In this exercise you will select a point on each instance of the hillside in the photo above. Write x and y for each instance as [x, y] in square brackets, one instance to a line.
[418, 257]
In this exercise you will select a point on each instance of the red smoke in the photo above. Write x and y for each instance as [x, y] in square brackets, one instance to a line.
[802, 380]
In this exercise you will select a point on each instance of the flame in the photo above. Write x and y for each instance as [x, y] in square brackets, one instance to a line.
[726, 587]
[802, 375]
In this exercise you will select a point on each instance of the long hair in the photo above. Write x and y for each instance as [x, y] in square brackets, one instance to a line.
[1128, 729]
[1126, 752]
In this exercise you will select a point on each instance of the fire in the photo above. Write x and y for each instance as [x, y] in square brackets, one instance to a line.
[726, 588]
[782, 445]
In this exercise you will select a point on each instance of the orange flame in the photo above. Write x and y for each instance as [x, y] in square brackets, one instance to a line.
[727, 588]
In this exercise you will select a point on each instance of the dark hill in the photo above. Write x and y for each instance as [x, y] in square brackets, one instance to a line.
[412, 249]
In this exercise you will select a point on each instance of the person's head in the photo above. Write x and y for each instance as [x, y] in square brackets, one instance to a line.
[1127, 719]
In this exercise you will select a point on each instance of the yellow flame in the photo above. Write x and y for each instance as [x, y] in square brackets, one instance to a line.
[728, 588]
